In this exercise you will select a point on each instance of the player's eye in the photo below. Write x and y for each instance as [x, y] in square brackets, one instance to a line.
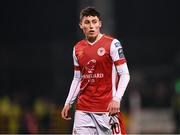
[94, 21]
[86, 22]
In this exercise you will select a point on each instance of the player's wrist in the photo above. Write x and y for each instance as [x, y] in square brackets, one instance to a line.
[68, 104]
[117, 99]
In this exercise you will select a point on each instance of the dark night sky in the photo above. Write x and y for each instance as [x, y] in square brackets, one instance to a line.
[37, 20]
[37, 39]
[149, 29]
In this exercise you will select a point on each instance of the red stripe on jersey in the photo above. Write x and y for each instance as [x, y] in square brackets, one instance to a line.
[119, 62]
[76, 68]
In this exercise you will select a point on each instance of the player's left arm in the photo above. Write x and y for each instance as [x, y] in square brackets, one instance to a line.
[119, 60]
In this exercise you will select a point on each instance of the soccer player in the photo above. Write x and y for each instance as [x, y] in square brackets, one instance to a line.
[100, 79]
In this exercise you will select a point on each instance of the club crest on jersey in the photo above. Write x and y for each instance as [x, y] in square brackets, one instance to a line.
[101, 51]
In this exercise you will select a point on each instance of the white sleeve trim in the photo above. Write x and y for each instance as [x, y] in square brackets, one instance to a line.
[123, 72]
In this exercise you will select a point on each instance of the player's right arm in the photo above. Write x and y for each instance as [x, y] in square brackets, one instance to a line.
[74, 89]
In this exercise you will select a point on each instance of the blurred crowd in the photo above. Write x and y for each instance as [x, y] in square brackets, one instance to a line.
[40, 116]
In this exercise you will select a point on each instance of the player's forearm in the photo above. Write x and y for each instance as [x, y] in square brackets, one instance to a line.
[123, 81]
[73, 92]
[74, 89]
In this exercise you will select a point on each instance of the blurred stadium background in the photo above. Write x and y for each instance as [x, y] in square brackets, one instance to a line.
[36, 68]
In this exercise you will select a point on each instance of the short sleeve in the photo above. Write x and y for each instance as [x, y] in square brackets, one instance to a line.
[116, 52]
[75, 60]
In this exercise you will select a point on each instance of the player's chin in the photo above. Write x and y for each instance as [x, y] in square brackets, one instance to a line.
[92, 36]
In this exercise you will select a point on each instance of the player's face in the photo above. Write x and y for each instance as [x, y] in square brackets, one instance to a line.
[91, 26]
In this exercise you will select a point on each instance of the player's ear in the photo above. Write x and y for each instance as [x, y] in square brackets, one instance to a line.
[80, 25]
[100, 24]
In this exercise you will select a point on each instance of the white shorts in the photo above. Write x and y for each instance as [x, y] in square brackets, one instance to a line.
[87, 123]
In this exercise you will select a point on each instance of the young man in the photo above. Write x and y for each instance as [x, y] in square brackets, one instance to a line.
[100, 78]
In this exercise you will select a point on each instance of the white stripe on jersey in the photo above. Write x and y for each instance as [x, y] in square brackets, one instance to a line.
[75, 58]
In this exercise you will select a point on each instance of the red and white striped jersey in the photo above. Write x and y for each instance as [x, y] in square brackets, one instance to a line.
[97, 64]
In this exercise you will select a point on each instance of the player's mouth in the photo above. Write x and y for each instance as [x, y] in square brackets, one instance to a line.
[91, 31]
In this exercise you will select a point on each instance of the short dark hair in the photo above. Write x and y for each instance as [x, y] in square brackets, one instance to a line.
[89, 11]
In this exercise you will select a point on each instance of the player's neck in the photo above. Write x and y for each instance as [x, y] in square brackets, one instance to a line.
[94, 40]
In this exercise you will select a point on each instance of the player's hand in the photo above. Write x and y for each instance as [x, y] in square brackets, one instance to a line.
[65, 112]
[113, 107]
